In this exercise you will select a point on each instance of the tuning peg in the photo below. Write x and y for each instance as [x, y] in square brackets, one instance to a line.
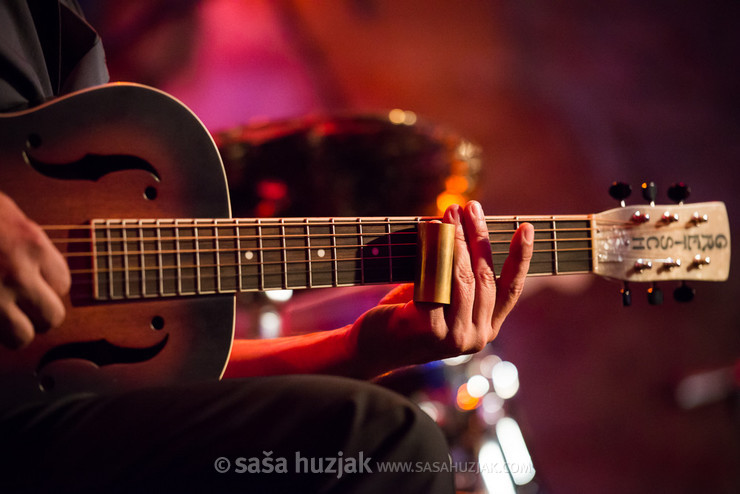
[679, 192]
[655, 295]
[626, 295]
[684, 293]
[649, 192]
[620, 191]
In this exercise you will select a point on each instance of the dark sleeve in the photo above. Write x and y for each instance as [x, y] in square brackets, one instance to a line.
[46, 49]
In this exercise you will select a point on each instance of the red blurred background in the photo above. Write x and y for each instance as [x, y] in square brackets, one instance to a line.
[563, 98]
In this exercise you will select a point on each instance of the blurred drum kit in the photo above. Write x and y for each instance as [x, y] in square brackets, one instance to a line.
[382, 164]
[357, 165]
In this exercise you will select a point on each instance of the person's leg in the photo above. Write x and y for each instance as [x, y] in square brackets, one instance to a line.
[178, 439]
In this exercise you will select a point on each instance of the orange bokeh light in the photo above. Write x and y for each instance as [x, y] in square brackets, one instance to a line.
[464, 400]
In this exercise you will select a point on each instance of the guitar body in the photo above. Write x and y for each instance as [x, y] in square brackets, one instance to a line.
[117, 151]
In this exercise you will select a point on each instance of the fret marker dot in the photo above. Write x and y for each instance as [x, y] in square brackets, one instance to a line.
[249, 255]
[321, 252]
[375, 251]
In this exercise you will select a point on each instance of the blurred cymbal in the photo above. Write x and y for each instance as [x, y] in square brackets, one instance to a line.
[392, 164]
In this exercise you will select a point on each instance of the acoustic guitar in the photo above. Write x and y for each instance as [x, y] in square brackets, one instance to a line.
[130, 187]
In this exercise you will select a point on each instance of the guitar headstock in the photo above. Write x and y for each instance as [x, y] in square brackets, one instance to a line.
[658, 243]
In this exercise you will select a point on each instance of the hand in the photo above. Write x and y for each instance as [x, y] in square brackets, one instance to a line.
[33, 277]
[401, 332]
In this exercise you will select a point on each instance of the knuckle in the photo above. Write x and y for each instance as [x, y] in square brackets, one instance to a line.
[479, 343]
[516, 288]
[31, 234]
[487, 277]
[465, 342]
[465, 277]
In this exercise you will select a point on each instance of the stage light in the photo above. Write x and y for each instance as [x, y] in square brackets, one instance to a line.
[270, 324]
[515, 450]
[505, 377]
[279, 295]
[460, 359]
[493, 469]
[464, 400]
[478, 386]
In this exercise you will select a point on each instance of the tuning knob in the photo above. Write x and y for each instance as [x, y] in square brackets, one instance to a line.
[649, 192]
[655, 295]
[620, 191]
[679, 192]
[684, 293]
[626, 295]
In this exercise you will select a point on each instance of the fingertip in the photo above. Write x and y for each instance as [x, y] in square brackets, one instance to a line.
[452, 214]
[16, 330]
[527, 230]
[476, 210]
[55, 271]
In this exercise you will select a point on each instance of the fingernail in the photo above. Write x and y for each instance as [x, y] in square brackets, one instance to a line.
[529, 234]
[452, 215]
[476, 208]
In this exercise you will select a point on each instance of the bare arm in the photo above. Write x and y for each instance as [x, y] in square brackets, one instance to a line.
[399, 332]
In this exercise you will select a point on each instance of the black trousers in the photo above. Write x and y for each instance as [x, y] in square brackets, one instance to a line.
[288, 434]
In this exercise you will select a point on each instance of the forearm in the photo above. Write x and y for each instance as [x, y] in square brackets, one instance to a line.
[326, 352]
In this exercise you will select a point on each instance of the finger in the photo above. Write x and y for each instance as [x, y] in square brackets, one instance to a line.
[463, 279]
[511, 282]
[41, 304]
[479, 245]
[16, 330]
[54, 268]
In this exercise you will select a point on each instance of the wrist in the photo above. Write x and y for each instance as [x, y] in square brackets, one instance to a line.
[371, 345]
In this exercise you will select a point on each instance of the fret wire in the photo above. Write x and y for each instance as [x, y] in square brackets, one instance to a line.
[390, 249]
[284, 255]
[219, 287]
[362, 254]
[239, 256]
[126, 280]
[96, 277]
[179, 258]
[555, 244]
[261, 255]
[160, 262]
[335, 275]
[111, 293]
[142, 260]
[198, 268]
[308, 254]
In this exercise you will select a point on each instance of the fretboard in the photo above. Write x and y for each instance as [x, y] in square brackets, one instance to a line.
[159, 258]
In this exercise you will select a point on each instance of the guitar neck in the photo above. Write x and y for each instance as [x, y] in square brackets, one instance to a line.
[158, 258]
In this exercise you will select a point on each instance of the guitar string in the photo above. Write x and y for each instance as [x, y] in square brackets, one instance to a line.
[277, 236]
[293, 222]
[287, 248]
[169, 276]
[257, 263]
[250, 283]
